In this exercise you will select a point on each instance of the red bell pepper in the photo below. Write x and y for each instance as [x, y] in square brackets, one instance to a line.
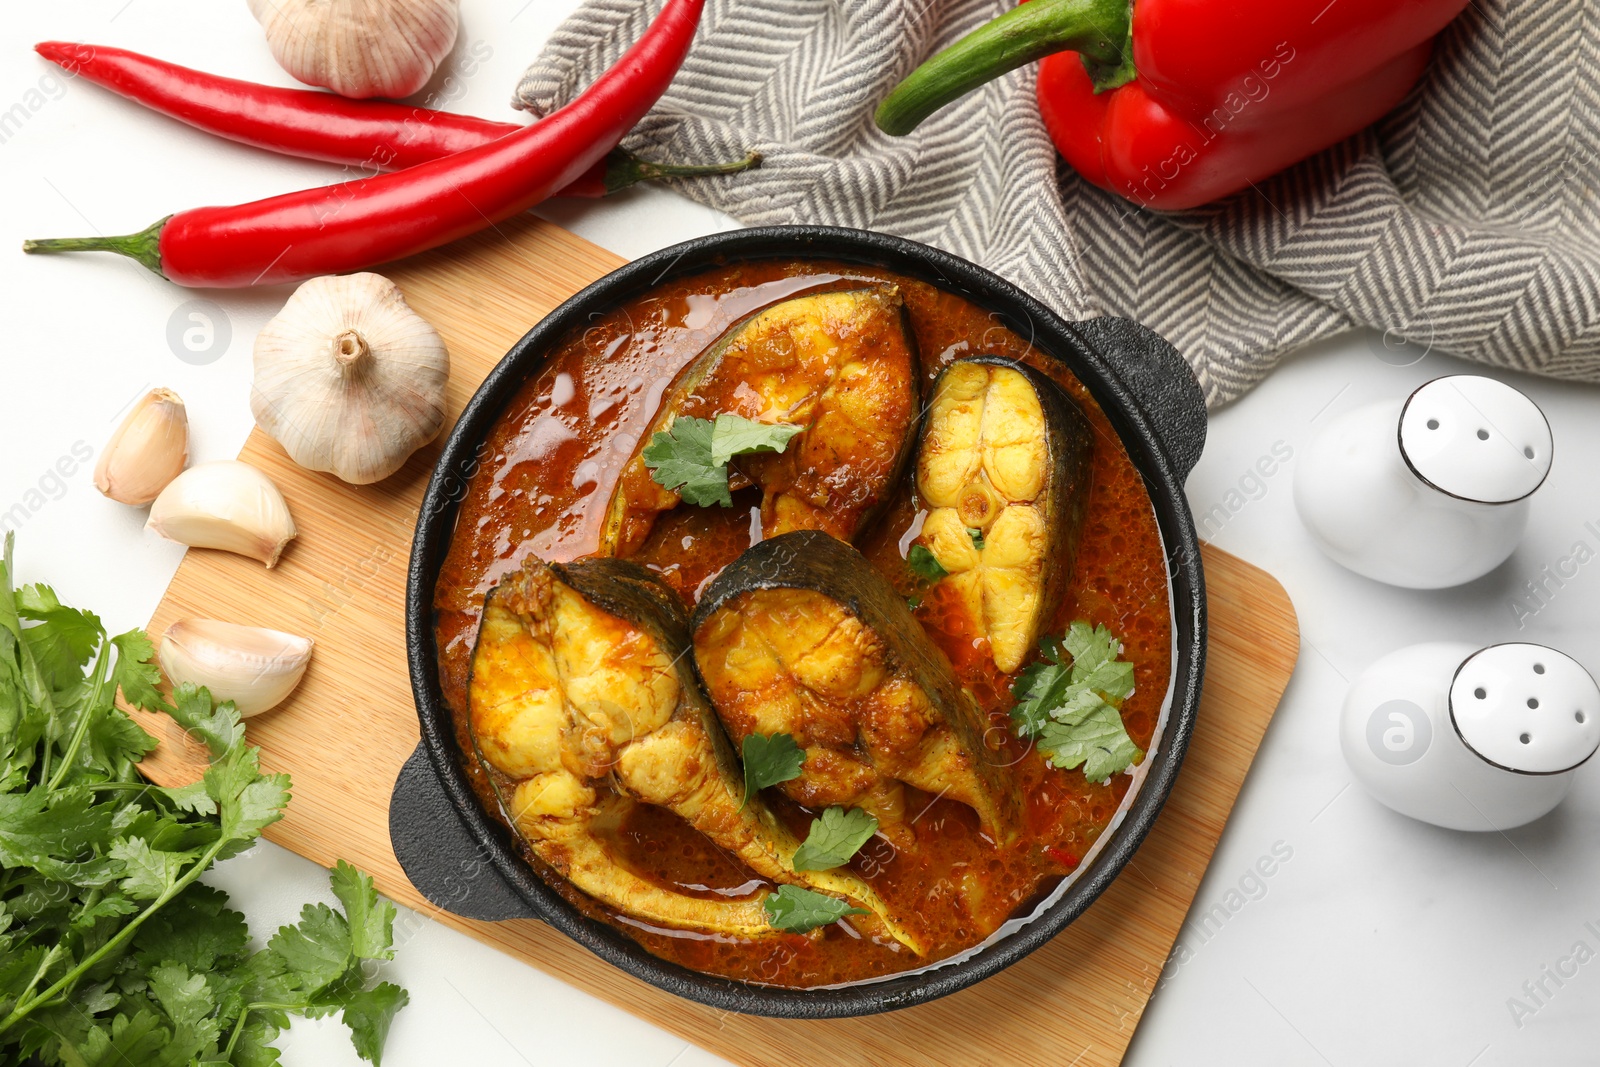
[1175, 103]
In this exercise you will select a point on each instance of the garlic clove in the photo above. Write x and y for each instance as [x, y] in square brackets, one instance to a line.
[147, 451]
[360, 48]
[254, 667]
[349, 379]
[227, 505]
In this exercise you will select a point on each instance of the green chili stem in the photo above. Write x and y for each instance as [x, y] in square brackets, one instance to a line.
[143, 247]
[624, 169]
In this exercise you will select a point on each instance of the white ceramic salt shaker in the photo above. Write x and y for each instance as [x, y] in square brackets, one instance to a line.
[1468, 739]
[1427, 492]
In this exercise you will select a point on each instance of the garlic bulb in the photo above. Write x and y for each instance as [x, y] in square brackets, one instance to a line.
[228, 505]
[253, 667]
[349, 379]
[148, 450]
[360, 48]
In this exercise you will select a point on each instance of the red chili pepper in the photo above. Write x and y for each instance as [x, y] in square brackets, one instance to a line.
[358, 224]
[1061, 856]
[374, 135]
[1174, 103]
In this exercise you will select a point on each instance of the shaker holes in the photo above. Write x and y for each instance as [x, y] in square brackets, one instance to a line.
[1538, 668]
[1533, 702]
[1483, 435]
[1528, 451]
[1480, 692]
[1525, 738]
[1578, 715]
[1433, 424]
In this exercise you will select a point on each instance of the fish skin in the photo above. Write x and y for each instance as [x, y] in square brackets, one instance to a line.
[844, 364]
[582, 684]
[1006, 452]
[802, 635]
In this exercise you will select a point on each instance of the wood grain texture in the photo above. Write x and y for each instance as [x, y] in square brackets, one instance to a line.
[346, 732]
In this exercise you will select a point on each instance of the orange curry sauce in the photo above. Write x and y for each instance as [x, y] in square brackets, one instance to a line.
[545, 478]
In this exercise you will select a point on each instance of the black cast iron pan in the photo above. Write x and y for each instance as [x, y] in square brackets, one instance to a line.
[465, 862]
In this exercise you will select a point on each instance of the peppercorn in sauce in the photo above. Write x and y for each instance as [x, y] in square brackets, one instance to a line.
[545, 480]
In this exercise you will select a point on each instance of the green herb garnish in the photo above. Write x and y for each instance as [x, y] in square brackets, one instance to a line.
[1070, 703]
[768, 760]
[692, 456]
[111, 949]
[734, 435]
[799, 910]
[834, 838]
[680, 459]
[925, 564]
[977, 537]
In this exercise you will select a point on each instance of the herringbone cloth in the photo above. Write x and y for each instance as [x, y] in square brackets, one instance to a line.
[1467, 220]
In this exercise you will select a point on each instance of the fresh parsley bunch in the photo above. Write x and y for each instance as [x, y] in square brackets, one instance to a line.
[1070, 703]
[111, 950]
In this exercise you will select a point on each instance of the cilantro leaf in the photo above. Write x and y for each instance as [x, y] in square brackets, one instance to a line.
[691, 456]
[136, 673]
[108, 907]
[197, 929]
[768, 760]
[254, 1045]
[925, 564]
[64, 638]
[218, 727]
[679, 458]
[192, 797]
[147, 872]
[309, 956]
[189, 1003]
[51, 831]
[139, 1039]
[247, 801]
[368, 1013]
[1114, 680]
[734, 435]
[1089, 646]
[1040, 688]
[371, 918]
[1070, 702]
[834, 838]
[799, 910]
[977, 537]
[1098, 741]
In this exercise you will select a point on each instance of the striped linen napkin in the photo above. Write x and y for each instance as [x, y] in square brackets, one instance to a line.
[1468, 220]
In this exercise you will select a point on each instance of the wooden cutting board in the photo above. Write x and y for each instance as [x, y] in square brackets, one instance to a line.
[346, 732]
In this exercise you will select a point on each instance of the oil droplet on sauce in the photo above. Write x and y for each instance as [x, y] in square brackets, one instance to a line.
[702, 308]
[588, 473]
[562, 390]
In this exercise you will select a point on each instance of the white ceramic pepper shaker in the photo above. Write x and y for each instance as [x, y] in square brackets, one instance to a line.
[1429, 492]
[1468, 739]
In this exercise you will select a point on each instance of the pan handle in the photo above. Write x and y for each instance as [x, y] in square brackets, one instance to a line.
[1160, 379]
[439, 854]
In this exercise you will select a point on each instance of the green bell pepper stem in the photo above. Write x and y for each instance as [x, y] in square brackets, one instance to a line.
[1099, 30]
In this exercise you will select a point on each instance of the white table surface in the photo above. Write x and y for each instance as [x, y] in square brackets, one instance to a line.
[1378, 941]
